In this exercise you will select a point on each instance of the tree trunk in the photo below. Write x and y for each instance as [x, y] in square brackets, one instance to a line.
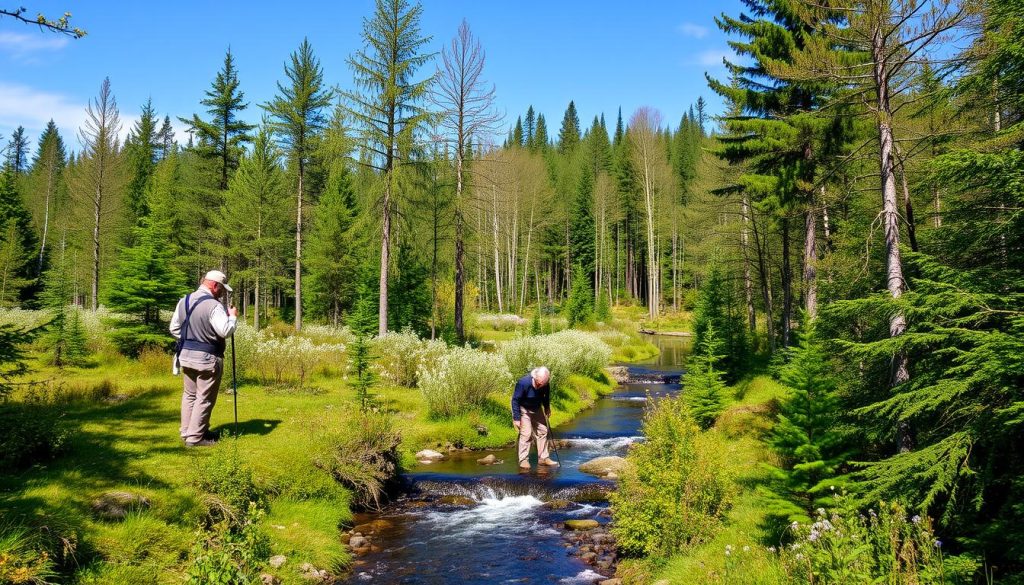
[811, 262]
[460, 250]
[46, 211]
[97, 201]
[907, 203]
[787, 285]
[748, 284]
[385, 256]
[764, 275]
[497, 259]
[298, 253]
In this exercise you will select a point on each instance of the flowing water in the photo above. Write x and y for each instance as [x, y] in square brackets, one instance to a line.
[476, 524]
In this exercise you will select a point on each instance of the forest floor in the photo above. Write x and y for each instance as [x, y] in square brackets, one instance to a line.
[122, 416]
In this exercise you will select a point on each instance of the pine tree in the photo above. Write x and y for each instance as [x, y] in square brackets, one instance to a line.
[47, 189]
[516, 138]
[165, 138]
[140, 157]
[254, 217]
[65, 335]
[582, 234]
[703, 388]
[17, 152]
[360, 362]
[579, 308]
[17, 241]
[530, 129]
[387, 109]
[541, 140]
[223, 136]
[806, 436]
[717, 310]
[146, 282]
[569, 134]
[298, 116]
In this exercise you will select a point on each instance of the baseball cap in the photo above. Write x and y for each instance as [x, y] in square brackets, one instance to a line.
[219, 277]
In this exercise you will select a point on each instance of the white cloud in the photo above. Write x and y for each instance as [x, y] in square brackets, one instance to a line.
[21, 105]
[21, 46]
[689, 29]
[712, 57]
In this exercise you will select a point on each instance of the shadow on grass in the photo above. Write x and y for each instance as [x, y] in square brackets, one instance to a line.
[256, 426]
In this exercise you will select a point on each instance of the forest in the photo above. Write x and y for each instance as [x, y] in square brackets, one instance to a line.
[849, 230]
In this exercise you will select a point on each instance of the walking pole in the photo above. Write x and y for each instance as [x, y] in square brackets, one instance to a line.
[234, 384]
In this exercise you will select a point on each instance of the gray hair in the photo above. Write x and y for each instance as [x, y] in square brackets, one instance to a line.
[541, 374]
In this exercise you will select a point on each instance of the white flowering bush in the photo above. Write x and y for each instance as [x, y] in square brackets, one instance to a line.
[328, 334]
[400, 356]
[500, 321]
[564, 353]
[282, 360]
[461, 380]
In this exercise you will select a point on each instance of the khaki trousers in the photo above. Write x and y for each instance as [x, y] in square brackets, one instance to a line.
[198, 399]
[531, 420]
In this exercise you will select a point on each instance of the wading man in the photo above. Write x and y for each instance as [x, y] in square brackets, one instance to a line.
[531, 409]
[201, 326]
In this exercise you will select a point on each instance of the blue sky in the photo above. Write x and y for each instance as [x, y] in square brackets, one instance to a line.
[601, 54]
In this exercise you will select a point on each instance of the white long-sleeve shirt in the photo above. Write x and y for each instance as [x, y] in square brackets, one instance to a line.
[223, 324]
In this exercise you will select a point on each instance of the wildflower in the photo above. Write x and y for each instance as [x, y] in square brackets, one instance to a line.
[799, 557]
[821, 511]
[813, 536]
[916, 519]
[728, 549]
[746, 549]
[871, 512]
[832, 487]
[794, 525]
[937, 543]
[771, 549]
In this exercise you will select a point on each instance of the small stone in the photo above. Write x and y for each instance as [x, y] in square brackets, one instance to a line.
[581, 524]
[588, 557]
[277, 560]
[488, 460]
[611, 582]
[361, 550]
[268, 579]
[307, 568]
[429, 455]
[601, 537]
[358, 542]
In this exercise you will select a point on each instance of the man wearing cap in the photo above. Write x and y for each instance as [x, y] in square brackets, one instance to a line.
[201, 326]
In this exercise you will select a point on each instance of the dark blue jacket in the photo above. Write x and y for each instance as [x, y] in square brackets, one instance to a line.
[528, 397]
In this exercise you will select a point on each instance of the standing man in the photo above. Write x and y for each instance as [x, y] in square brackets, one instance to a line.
[201, 326]
[531, 409]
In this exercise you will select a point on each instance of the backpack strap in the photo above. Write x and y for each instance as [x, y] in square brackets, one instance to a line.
[184, 342]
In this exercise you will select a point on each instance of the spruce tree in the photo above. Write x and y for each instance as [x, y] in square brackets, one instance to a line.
[165, 138]
[717, 310]
[140, 157]
[582, 234]
[17, 242]
[530, 129]
[579, 309]
[47, 190]
[298, 120]
[223, 136]
[387, 108]
[146, 282]
[516, 138]
[64, 336]
[17, 152]
[541, 140]
[703, 387]
[806, 436]
[569, 134]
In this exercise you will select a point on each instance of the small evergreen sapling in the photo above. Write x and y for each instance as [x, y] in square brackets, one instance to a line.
[703, 387]
[579, 309]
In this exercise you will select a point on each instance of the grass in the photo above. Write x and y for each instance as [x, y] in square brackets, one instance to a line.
[748, 562]
[124, 415]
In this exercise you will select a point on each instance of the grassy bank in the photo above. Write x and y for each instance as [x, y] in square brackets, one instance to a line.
[122, 420]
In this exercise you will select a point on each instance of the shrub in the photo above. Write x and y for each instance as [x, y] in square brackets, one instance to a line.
[579, 309]
[362, 456]
[564, 353]
[461, 380]
[230, 556]
[401, 355]
[21, 560]
[500, 321]
[281, 360]
[846, 546]
[33, 430]
[229, 480]
[676, 488]
[703, 387]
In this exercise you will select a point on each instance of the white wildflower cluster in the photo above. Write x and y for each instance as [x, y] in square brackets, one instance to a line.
[400, 356]
[564, 353]
[328, 334]
[500, 321]
[283, 360]
[23, 319]
[462, 379]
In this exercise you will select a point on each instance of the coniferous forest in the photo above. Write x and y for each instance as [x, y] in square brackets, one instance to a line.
[844, 241]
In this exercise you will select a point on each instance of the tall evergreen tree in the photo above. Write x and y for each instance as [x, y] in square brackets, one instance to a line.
[47, 188]
[582, 235]
[165, 138]
[569, 134]
[140, 157]
[223, 136]
[704, 390]
[17, 243]
[388, 107]
[530, 129]
[540, 139]
[298, 114]
[17, 152]
[64, 336]
[516, 139]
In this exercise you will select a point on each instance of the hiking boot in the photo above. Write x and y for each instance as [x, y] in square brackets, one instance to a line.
[202, 443]
[547, 461]
[211, 435]
[524, 465]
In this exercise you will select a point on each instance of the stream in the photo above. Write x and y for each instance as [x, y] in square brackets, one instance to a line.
[469, 523]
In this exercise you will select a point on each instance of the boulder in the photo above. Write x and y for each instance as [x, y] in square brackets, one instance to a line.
[488, 460]
[558, 504]
[277, 560]
[462, 501]
[602, 466]
[618, 373]
[429, 455]
[374, 527]
[588, 557]
[581, 524]
[268, 579]
[116, 505]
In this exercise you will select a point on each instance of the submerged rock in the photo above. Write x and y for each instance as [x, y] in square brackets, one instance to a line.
[428, 455]
[602, 466]
[116, 505]
[458, 501]
[581, 524]
[488, 460]
[558, 504]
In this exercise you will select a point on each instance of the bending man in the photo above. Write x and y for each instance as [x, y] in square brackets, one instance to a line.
[201, 325]
[531, 408]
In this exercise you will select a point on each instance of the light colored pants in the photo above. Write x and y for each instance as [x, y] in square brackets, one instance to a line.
[530, 419]
[198, 399]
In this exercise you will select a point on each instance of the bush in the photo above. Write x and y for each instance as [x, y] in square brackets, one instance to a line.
[362, 456]
[676, 488]
[33, 431]
[230, 556]
[461, 380]
[281, 360]
[846, 546]
[21, 560]
[564, 353]
[401, 355]
[500, 321]
[224, 476]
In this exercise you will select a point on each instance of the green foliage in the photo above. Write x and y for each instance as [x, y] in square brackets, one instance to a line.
[12, 354]
[362, 456]
[462, 380]
[360, 362]
[603, 309]
[17, 241]
[230, 555]
[582, 234]
[703, 387]
[65, 336]
[676, 488]
[22, 561]
[569, 134]
[564, 353]
[579, 309]
[401, 355]
[34, 430]
[409, 297]
[718, 308]
[805, 437]
[145, 281]
[535, 323]
[230, 481]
